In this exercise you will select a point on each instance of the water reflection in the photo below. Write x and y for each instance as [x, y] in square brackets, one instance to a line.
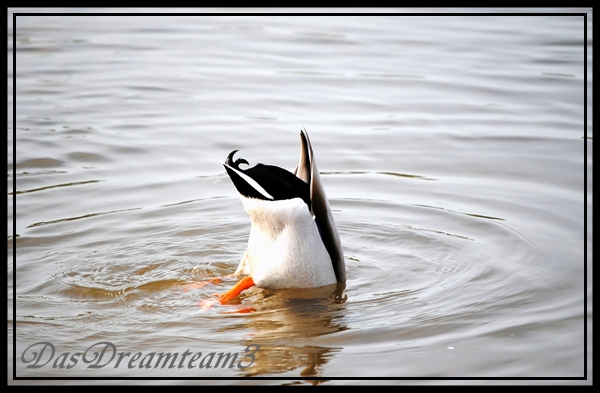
[282, 323]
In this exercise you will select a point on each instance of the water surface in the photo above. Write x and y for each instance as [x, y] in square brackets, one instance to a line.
[451, 149]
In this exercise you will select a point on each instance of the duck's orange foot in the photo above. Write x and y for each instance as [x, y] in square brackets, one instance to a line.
[242, 285]
[207, 304]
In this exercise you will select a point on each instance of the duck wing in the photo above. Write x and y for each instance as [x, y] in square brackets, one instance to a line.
[307, 171]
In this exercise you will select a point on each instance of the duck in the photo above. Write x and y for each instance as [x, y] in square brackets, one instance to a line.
[293, 240]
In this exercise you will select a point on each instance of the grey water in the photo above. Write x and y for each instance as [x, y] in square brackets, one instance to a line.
[452, 149]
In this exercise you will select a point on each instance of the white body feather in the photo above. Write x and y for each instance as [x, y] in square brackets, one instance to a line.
[285, 249]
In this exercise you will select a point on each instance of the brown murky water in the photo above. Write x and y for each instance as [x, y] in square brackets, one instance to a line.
[451, 148]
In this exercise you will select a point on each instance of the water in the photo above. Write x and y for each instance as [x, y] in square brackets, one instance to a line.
[451, 148]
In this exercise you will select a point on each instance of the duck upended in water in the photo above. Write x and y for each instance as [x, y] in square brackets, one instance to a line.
[293, 240]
